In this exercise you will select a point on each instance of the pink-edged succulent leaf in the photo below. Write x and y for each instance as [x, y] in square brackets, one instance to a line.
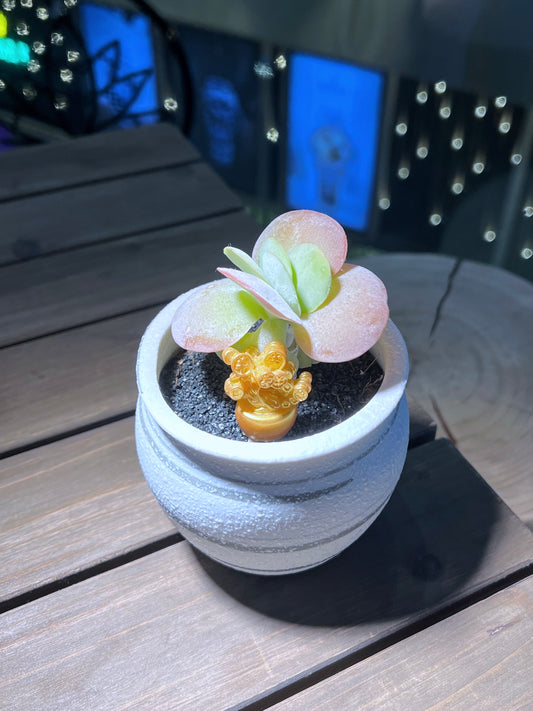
[307, 226]
[263, 292]
[214, 316]
[280, 279]
[351, 320]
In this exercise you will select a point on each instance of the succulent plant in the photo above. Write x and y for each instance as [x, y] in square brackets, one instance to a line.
[296, 289]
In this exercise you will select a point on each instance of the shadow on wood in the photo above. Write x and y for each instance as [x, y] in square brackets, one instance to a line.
[433, 536]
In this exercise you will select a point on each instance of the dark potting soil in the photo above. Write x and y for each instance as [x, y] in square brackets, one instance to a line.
[193, 386]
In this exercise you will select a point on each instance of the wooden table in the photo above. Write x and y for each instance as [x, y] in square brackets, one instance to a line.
[103, 605]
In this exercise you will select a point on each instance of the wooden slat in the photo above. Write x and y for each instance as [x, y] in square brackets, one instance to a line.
[64, 290]
[86, 489]
[100, 156]
[478, 658]
[175, 630]
[76, 379]
[73, 380]
[467, 328]
[72, 505]
[110, 209]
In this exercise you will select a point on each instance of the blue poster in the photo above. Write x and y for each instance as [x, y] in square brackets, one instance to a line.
[333, 133]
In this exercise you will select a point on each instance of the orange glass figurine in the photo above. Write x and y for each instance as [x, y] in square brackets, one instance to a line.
[266, 392]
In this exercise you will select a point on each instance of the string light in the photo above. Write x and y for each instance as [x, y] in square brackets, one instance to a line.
[527, 210]
[505, 123]
[478, 166]
[403, 171]
[435, 219]
[516, 158]
[422, 149]
[170, 104]
[401, 128]
[489, 235]
[272, 134]
[456, 142]
[42, 13]
[445, 109]
[281, 62]
[440, 87]
[526, 253]
[480, 109]
[457, 186]
[384, 202]
[422, 95]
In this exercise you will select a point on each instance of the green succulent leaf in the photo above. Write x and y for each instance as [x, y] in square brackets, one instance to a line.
[243, 261]
[280, 279]
[313, 276]
[272, 246]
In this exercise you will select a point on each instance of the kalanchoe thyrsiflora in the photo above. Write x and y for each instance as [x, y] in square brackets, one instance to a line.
[295, 288]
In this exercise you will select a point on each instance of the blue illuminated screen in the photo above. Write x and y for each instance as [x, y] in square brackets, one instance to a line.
[119, 44]
[334, 115]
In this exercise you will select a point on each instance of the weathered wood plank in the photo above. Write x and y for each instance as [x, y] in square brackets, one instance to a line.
[175, 630]
[479, 658]
[54, 385]
[64, 290]
[71, 505]
[86, 489]
[100, 156]
[109, 209]
[467, 328]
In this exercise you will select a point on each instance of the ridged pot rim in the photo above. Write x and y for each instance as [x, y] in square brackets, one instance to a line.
[390, 351]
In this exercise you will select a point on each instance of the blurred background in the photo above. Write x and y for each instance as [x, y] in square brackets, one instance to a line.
[410, 121]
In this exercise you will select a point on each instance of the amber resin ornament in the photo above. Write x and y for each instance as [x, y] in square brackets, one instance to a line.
[265, 389]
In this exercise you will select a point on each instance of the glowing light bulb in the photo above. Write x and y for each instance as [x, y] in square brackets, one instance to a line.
[445, 109]
[516, 158]
[281, 62]
[505, 123]
[263, 70]
[440, 87]
[526, 253]
[73, 56]
[435, 219]
[457, 186]
[29, 92]
[22, 29]
[527, 210]
[422, 95]
[42, 13]
[66, 75]
[456, 142]
[384, 203]
[422, 150]
[170, 104]
[500, 102]
[39, 47]
[401, 128]
[2, 85]
[478, 165]
[480, 109]
[56, 38]
[403, 171]
[272, 134]
[33, 66]
[489, 235]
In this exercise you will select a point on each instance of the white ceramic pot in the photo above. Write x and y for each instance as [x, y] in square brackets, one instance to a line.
[276, 507]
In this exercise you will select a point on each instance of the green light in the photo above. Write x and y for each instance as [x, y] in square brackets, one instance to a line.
[13, 51]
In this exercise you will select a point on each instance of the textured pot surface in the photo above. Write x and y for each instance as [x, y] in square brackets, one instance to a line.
[277, 507]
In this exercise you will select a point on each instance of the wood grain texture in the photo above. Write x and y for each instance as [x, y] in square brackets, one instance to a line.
[479, 658]
[468, 330]
[100, 156]
[73, 380]
[59, 291]
[109, 209]
[174, 630]
[72, 505]
[75, 503]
